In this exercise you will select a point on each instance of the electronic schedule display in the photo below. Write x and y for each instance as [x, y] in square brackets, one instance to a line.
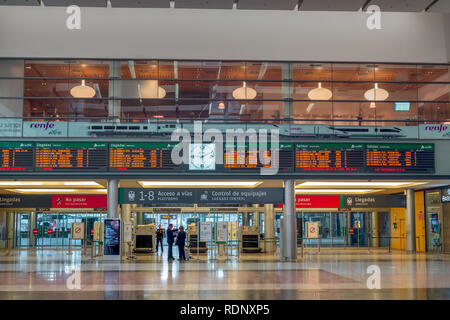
[151, 157]
[247, 159]
[326, 157]
[16, 156]
[398, 157]
[71, 156]
[141, 156]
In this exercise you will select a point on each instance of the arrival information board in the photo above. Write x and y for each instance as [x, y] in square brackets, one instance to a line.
[71, 156]
[16, 156]
[141, 156]
[400, 158]
[339, 157]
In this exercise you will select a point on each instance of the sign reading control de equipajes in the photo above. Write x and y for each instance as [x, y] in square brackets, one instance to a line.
[174, 196]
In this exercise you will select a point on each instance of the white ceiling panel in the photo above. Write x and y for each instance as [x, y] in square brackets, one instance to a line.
[331, 5]
[441, 6]
[402, 5]
[81, 3]
[140, 3]
[19, 3]
[267, 4]
[204, 4]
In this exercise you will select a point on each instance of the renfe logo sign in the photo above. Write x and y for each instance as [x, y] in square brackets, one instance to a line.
[96, 201]
[45, 128]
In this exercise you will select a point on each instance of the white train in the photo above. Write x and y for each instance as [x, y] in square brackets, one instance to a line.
[161, 129]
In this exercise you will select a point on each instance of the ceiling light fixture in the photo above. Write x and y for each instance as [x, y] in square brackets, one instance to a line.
[352, 184]
[82, 91]
[376, 94]
[221, 105]
[304, 191]
[244, 93]
[320, 93]
[81, 183]
[199, 183]
[373, 105]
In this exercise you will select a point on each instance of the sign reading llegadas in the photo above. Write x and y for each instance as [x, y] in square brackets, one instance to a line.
[369, 201]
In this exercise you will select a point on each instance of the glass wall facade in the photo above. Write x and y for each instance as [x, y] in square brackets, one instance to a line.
[139, 91]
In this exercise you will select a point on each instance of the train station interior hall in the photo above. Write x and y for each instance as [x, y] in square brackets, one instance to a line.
[224, 150]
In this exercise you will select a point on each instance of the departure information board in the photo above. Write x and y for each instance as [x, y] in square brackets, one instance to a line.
[141, 156]
[245, 158]
[397, 157]
[16, 156]
[151, 157]
[71, 156]
[338, 157]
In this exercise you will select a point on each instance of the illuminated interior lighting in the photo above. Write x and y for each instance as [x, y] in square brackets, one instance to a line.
[352, 184]
[82, 91]
[21, 183]
[158, 116]
[81, 183]
[221, 105]
[320, 93]
[43, 190]
[376, 94]
[309, 108]
[199, 183]
[301, 191]
[244, 93]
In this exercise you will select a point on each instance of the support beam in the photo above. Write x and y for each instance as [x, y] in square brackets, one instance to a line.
[269, 228]
[290, 220]
[113, 199]
[32, 225]
[410, 222]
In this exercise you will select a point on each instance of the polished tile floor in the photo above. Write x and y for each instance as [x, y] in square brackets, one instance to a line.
[330, 274]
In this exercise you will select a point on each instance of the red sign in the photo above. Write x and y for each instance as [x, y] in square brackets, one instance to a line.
[95, 201]
[316, 201]
[351, 230]
[92, 231]
[35, 231]
[49, 231]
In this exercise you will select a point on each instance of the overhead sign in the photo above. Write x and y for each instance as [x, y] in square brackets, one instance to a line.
[25, 201]
[173, 196]
[79, 201]
[368, 201]
[445, 195]
[317, 201]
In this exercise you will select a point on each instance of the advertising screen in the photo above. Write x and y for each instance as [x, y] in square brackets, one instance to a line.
[112, 237]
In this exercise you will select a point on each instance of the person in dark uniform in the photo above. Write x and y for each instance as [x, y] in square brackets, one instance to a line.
[181, 239]
[170, 240]
[159, 238]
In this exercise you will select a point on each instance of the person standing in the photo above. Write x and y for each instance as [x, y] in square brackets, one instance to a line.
[181, 239]
[159, 238]
[170, 240]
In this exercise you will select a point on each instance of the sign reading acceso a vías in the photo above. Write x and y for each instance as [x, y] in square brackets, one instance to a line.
[173, 196]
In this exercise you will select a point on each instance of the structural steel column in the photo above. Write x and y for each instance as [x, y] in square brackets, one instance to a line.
[113, 199]
[410, 222]
[290, 219]
[32, 225]
[269, 228]
[10, 231]
[256, 217]
[126, 214]
[375, 241]
[114, 91]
